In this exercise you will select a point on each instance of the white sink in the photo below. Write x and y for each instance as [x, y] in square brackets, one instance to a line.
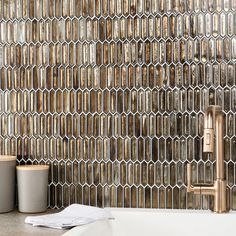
[148, 222]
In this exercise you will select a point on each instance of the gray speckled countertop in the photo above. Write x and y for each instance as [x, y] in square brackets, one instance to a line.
[12, 223]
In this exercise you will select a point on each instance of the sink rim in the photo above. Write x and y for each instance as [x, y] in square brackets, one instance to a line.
[164, 210]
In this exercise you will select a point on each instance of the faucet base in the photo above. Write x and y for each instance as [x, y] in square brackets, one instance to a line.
[220, 205]
[220, 212]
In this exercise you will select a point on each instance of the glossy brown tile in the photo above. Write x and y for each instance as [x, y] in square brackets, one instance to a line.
[112, 95]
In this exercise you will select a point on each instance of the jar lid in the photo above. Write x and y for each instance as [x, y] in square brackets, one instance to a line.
[33, 167]
[7, 158]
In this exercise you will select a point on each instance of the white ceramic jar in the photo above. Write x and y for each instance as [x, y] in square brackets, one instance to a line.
[32, 181]
[7, 183]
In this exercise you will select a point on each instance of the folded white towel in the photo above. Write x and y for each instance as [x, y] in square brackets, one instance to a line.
[73, 215]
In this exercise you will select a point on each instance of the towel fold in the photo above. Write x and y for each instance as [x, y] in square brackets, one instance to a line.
[73, 215]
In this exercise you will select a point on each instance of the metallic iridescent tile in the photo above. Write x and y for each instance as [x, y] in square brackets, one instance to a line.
[113, 87]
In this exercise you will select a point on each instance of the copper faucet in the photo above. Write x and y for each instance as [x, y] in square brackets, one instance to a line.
[213, 143]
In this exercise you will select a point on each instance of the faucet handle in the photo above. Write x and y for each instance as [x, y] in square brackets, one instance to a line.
[189, 177]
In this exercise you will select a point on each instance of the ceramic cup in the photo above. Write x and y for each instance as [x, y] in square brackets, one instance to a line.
[32, 181]
[7, 183]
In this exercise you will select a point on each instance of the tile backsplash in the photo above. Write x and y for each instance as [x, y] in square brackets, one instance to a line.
[111, 94]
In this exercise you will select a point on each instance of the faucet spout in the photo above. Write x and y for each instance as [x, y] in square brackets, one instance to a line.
[208, 135]
[212, 143]
[219, 146]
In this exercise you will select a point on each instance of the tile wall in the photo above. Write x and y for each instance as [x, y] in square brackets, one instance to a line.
[111, 94]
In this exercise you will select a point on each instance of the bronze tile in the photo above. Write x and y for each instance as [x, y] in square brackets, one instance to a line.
[117, 90]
